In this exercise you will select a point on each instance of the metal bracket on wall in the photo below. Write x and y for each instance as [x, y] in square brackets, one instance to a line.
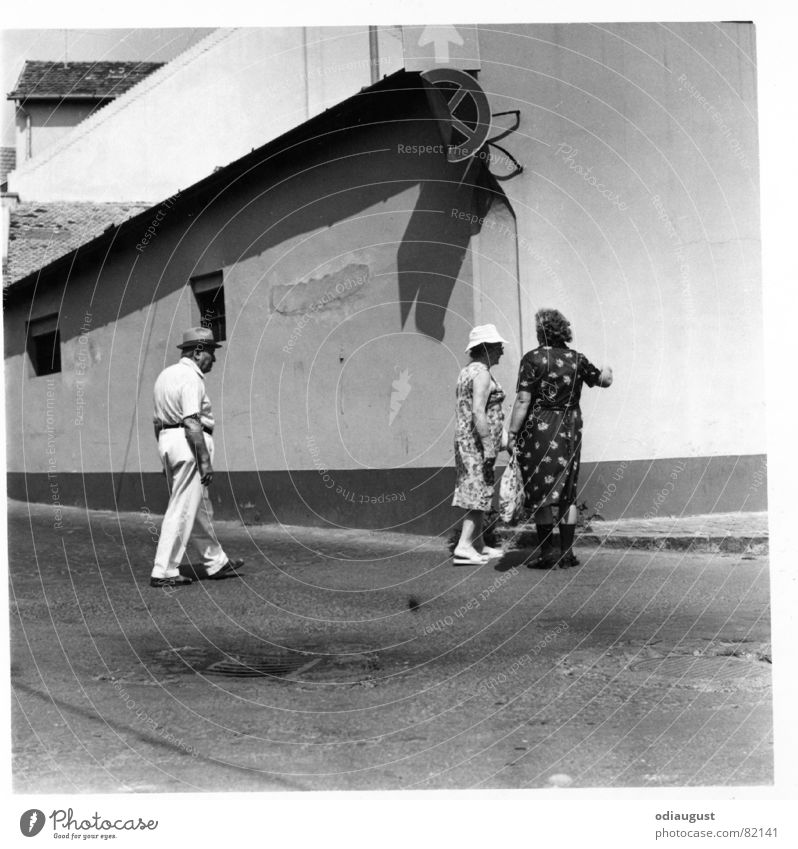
[505, 133]
[517, 167]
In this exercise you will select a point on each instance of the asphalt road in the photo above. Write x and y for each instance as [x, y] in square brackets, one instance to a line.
[391, 669]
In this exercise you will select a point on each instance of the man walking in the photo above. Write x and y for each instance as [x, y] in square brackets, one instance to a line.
[184, 427]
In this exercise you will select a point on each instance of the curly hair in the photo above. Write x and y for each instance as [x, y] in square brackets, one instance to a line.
[552, 327]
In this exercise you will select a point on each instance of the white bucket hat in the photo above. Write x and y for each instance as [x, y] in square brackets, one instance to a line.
[485, 334]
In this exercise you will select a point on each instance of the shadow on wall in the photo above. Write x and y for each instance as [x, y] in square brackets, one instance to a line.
[431, 254]
[344, 167]
[324, 173]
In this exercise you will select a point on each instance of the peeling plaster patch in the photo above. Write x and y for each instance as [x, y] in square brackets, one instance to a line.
[321, 293]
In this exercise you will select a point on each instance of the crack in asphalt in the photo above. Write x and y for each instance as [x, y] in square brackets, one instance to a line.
[121, 728]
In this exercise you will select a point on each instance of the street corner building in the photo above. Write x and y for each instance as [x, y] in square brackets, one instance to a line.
[300, 192]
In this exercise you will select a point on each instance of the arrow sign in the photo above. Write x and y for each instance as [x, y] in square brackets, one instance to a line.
[428, 47]
[440, 37]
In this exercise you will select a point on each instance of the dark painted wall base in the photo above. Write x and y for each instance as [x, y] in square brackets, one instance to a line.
[414, 500]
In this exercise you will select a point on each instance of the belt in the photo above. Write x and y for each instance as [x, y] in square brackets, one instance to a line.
[206, 429]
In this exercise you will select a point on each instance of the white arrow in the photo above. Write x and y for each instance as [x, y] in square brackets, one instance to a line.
[440, 36]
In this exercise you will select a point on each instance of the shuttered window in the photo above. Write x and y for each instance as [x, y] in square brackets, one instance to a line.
[209, 295]
[44, 345]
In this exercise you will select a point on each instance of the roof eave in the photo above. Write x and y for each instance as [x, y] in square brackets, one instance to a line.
[14, 95]
[216, 177]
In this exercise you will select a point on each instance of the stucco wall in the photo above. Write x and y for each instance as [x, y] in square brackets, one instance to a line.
[50, 121]
[658, 263]
[338, 288]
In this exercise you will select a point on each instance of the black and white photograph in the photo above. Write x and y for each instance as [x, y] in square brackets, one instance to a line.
[386, 412]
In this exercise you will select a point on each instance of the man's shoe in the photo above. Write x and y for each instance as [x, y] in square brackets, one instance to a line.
[227, 571]
[176, 581]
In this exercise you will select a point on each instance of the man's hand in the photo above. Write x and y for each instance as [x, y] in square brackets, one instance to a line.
[196, 442]
[206, 472]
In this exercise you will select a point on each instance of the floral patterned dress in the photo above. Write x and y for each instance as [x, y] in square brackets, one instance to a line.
[550, 442]
[472, 491]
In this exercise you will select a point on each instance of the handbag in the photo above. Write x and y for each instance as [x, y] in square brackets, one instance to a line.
[511, 492]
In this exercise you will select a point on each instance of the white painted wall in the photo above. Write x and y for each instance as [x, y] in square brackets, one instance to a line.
[664, 283]
[667, 291]
[47, 122]
[226, 95]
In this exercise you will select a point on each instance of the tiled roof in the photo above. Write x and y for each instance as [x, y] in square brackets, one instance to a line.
[79, 79]
[87, 222]
[39, 233]
[8, 161]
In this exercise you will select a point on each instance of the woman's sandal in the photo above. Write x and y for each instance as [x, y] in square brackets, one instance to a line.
[462, 560]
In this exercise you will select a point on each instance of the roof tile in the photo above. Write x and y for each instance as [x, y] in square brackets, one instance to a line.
[64, 79]
[39, 233]
[8, 161]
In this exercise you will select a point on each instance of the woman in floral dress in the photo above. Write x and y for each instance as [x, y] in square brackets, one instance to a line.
[477, 440]
[546, 430]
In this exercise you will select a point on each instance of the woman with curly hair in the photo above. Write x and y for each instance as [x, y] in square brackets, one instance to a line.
[546, 431]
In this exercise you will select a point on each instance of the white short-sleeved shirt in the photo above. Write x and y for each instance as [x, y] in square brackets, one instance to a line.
[180, 392]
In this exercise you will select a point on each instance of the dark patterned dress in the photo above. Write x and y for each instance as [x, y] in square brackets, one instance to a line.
[472, 491]
[550, 442]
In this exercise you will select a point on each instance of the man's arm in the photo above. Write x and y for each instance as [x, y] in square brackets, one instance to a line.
[196, 442]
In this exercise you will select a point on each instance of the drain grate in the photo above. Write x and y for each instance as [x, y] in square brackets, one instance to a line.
[262, 667]
[687, 666]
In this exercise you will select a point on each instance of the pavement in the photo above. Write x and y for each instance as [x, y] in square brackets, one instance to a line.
[343, 659]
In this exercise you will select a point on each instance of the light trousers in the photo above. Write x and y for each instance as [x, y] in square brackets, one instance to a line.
[190, 512]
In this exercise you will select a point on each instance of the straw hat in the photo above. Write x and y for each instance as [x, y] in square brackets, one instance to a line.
[196, 336]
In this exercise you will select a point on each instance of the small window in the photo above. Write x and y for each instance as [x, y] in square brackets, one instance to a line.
[44, 345]
[209, 294]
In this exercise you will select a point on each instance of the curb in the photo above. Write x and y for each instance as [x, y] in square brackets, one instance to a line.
[712, 544]
[753, 544]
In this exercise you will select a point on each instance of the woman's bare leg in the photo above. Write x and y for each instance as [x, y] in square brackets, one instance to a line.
[470, 533]
[482, 547]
